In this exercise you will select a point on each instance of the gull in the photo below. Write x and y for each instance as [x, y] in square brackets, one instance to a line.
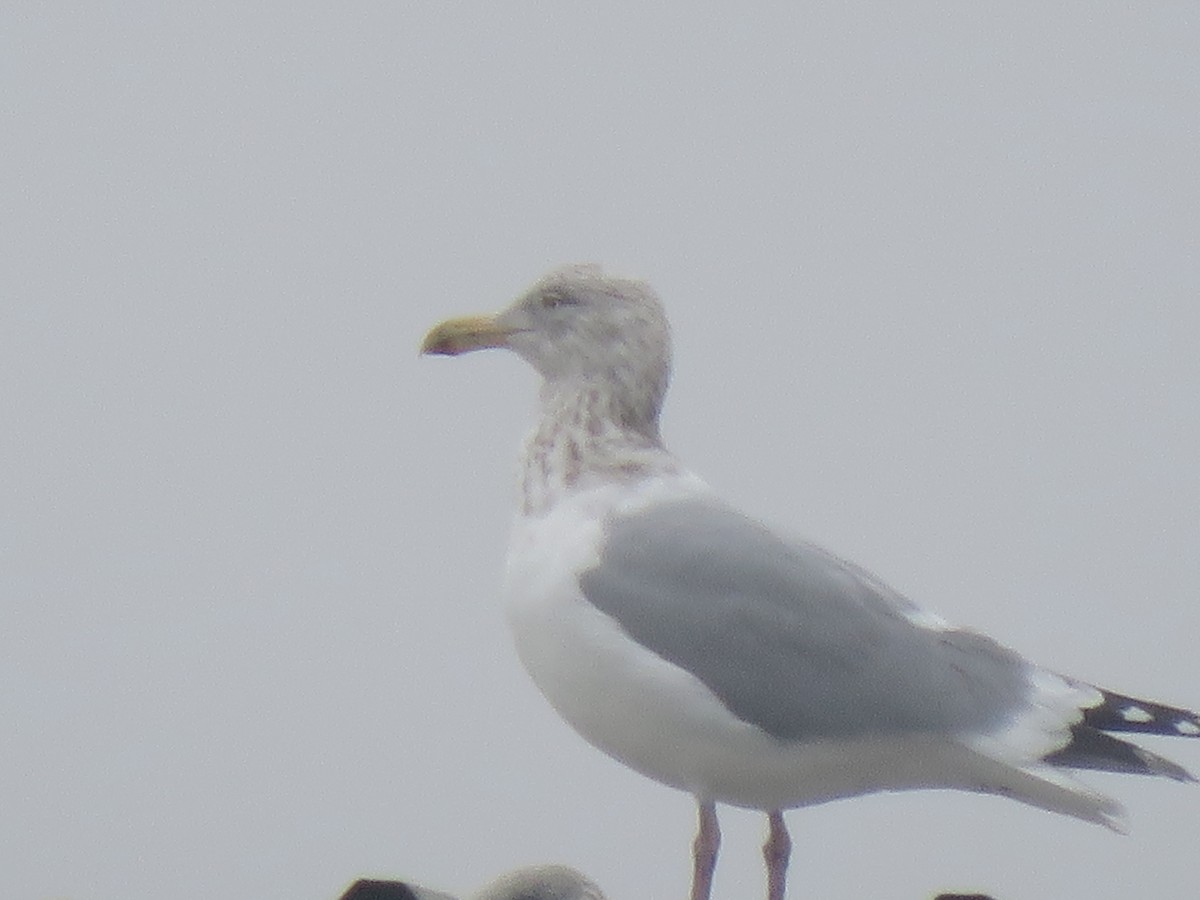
[548, 882]
[705, 651]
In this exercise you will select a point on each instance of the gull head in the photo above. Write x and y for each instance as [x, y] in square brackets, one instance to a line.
[580, 328]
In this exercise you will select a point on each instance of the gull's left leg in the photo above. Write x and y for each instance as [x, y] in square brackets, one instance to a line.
[776, 852]
[704, 850]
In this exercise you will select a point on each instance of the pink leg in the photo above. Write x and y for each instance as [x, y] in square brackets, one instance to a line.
[776, 852]
[704, 850]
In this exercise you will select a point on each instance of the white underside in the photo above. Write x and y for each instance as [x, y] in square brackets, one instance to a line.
[663, 722]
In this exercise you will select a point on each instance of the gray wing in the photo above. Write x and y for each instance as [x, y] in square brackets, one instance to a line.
[790, 638]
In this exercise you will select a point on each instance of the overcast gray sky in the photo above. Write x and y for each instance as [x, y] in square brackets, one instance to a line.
[933, 274]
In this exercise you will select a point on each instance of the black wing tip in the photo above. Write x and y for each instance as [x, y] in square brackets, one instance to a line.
[1118, 712]
[1090, 748]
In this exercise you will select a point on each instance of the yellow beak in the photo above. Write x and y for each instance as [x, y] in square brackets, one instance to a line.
[455, 336]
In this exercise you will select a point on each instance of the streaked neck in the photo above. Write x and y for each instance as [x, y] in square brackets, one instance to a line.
[586, 437]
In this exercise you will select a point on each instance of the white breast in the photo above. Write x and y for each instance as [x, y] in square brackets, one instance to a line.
[617, 694]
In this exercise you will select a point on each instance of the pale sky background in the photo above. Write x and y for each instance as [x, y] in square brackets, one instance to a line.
[933, 273]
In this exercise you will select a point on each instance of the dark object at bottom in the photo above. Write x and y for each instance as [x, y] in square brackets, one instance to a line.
[366, 889]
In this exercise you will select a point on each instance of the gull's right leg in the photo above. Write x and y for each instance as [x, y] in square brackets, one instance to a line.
[777, 851]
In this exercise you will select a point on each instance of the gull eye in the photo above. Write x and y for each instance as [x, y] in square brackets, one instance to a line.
[555, 299]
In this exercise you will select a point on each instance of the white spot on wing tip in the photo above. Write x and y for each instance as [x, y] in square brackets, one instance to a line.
[1183, 726]
[1136, 714]
[922, 618]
